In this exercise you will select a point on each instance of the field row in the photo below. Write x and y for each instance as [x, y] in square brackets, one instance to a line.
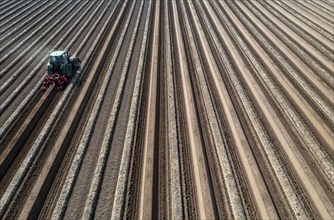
[181, 109]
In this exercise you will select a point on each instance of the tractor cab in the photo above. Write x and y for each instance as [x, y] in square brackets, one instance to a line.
[59, 63]
[58, 57]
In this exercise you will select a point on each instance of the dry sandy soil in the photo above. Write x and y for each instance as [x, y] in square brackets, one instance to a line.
[181, 110]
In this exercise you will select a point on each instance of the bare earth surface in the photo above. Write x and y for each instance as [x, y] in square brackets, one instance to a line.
[181, 110]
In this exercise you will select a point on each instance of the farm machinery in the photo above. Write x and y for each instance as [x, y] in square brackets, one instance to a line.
[60, 69]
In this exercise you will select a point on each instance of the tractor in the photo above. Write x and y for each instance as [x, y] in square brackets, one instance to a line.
[60, 69]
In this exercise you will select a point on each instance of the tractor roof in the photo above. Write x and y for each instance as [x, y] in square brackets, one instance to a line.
[57, 53]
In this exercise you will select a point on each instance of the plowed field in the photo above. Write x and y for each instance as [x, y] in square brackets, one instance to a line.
[181, 110]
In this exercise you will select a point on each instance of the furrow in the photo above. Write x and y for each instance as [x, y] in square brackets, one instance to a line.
[39, 142]
[180, 110]
[261, 198]
[312, 39]
[313, 144]
[301, 82]
[67, 187]
[174, 200]
[32, 34]
[313, 24]
[118, 204]
[20, 16]
[19, 88]
[315, 61]
[34, 197]
[218, 142]
[15, 75]
[9, 9]
[277, 166]
[314, 11]
[318, 5]
[147, 182]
